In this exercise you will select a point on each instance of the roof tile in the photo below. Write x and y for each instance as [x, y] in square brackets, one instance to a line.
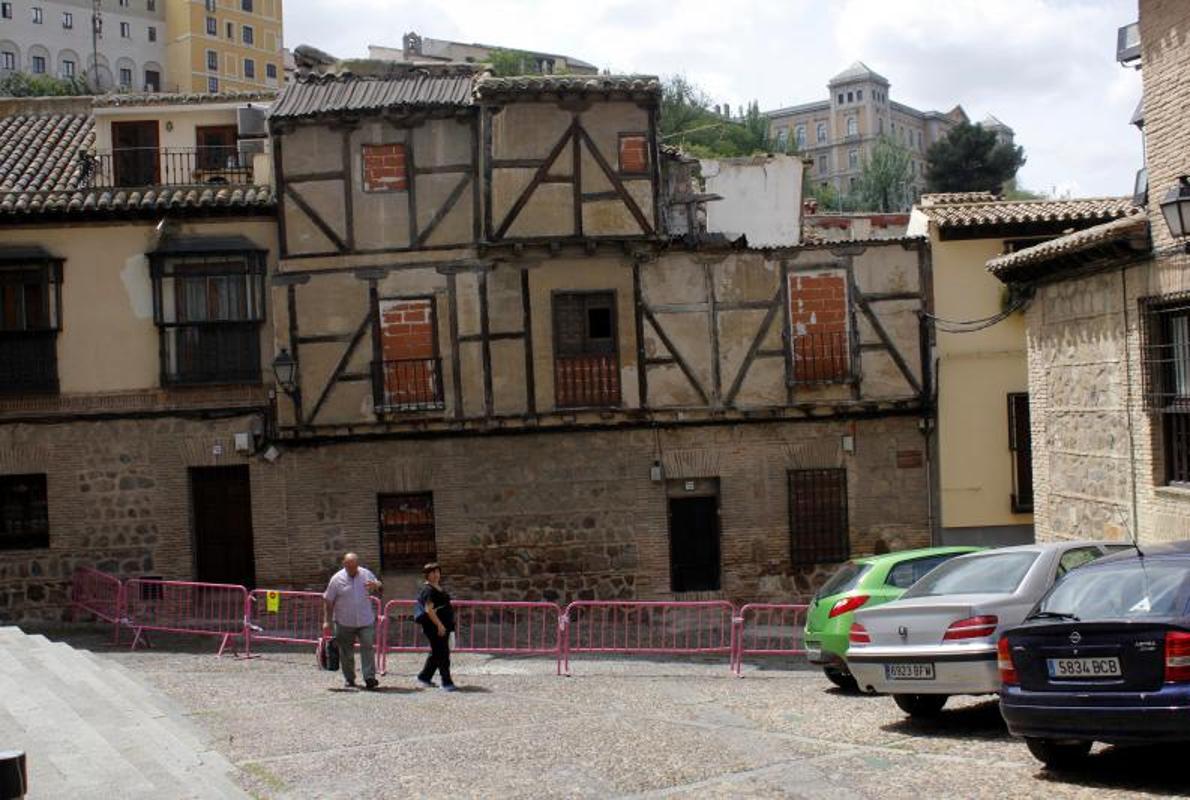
[974, 209]
[420, 86]
[1012, 265]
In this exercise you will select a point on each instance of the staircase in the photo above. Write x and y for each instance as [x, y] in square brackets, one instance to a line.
[91, 730]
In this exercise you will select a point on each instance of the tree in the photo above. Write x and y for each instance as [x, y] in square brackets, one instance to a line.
[885, 177]
[971, 159]
[687, 120]
[21, 84]
[507, 63]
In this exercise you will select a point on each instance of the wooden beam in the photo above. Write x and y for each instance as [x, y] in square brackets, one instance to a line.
[518, 163]
[452, 294]
[439, 169]
[411, 182]
[488, 228]
[379, 379]
[895, 354]
[673, 351]
[527, 324]
[713, 329]
[325, 338]
[642, 372]
[500, 336]
[754, 348]
[577, 179]
[615, 181]
[348, 192]
[542, 171]
[444, 209]
[880, 297]
[787, 333]
[476, 206]
[294, 342]
[311, 177]
[318, 221]
[344, 359]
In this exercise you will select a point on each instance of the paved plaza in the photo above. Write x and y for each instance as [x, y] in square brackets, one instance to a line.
[616, 728]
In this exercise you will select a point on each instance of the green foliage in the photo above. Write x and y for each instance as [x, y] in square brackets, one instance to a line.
[971, 159]
[21, 84]
[884, 180]
[688, 121]
[507, 63]
[1014, 191]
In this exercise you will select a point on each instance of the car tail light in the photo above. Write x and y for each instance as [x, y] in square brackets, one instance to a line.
[971, 628]
[1177, 657]
[859, 634]
[847, 604]
[1008, 675]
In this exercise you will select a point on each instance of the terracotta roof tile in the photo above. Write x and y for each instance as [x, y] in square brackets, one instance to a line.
[981, 210]
[40, 152]
[259, 199]
[489, 86]
[181, 98]
[401, 87]
[1012, 266]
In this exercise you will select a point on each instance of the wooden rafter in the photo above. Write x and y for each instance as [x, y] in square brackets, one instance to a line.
[340, 367]
[866, 309]
[754, 349]
[538, 177]
[677, 356]
[616, 183]
[317, 219]
[451, 201]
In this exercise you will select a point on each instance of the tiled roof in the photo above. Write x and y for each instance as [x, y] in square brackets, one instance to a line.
[180, 99]
[858, 71]
[422, 86]
[489, 86]
[975, 209]
[1134, 227]
[818, 105]
[100, 202]
[40, 151]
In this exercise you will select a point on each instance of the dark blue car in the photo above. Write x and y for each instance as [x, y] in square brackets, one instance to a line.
[1104, 657]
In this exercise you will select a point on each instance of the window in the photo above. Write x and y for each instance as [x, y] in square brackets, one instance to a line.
[385, 168]
[208, 306]
[125, 78]
[150, 5]
[822, 135]
[231, 30]
[152, 80]
[818, 528]
[782, 139]
[1166, 353]
[852, 183]
[634, 153]
[853, 158]
[212, 61]
[8, 59]
[819, 327]
[840, 98]
[212, 26]
[799, 136]
[586, 365]
[407, 541]
[213, 85]
[880, 125]
[125, 30]
[30, 301]
[823, 164]
[67, 20]
[850, 97]
[907, 573]
[246, 33]
[38, 65]
[38, 16]
[1073, 559]
[124, 3]
[852, 126]
[6, 10]
[859, 95]
[24, 512]
[409, 375]
[246, 5]
[211, 5]
[249, 68]
[152, 33]
[1020, 444]
[994, 573]
[67, 68]
[270, 71]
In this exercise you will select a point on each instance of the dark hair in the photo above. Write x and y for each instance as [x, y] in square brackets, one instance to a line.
[428, 568]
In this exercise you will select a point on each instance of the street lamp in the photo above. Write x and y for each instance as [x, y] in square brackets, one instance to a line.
[285, 370]
[1175, 206]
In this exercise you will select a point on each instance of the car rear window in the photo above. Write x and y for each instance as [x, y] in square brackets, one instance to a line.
[1121, 591]
[998, 573]
[907, 573]
[844, 579]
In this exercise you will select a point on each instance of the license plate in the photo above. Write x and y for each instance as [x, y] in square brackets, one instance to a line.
[1084, 667]
[813, 654]
[909, 672]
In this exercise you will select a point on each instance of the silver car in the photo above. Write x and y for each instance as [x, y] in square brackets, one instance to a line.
[940, 637]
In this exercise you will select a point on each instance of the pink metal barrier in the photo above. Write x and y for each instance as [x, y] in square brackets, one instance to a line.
[99, 594]
[292, 617]
[204, 609]
[768, 629]
[645, 627]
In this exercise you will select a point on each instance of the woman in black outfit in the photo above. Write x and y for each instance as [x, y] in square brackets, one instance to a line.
[437, 618]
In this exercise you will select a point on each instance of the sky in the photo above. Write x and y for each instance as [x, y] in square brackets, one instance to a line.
[1044, 67]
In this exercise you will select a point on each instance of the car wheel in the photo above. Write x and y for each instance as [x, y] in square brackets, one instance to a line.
[920, 705]
[841, 679]
[1056, 754]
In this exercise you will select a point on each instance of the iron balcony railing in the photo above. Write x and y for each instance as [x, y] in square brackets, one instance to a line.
[410, 384]
[29, 361]
[126, 167]
[821, 357]
[587, 381]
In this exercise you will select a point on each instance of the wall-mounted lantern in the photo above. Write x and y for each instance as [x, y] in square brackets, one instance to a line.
[285, 371]
[1175, 206]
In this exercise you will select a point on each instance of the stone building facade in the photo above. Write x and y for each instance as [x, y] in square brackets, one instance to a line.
[1107, 346]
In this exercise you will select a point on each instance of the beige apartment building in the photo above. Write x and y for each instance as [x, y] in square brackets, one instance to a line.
[837, 134]
[223, 45]
[417, 49]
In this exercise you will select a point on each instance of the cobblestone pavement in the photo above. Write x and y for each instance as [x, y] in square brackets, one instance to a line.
[616, 728]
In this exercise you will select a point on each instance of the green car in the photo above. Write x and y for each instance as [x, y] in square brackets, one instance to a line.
[862, 583]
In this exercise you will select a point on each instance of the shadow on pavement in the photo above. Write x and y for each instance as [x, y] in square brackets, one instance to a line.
[474, 689]
[1158, 769]
[982, 722]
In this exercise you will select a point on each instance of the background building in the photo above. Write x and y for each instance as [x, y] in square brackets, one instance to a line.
[417, 49]
[53, 37]
[838, 133]
[223, 45]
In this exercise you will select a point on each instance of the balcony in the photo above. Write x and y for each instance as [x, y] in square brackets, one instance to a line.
[29, 362]
[411, 384]
[587, 381]
[128, 167]
[821, 357]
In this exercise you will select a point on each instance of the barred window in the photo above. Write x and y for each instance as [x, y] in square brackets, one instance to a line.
[586, 364]
[1020, 443]
[1166, 349]
[818, 516]
[407, 539]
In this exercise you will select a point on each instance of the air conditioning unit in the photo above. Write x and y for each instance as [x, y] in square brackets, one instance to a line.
[248, 148]
[250, 122]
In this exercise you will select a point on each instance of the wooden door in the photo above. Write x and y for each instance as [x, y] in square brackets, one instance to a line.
[135, 153]
[217, 149]
[694, 544]
[221, 499]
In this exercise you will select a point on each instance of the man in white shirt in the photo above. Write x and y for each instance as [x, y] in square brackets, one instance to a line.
[347, 602]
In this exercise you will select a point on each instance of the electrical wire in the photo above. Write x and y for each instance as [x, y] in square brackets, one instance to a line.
[974, 325]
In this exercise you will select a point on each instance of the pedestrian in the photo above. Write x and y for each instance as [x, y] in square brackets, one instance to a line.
[348, 604]
[437, 618]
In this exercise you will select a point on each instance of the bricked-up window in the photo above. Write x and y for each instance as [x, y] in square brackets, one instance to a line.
[384, 168]
[208, 306]
[819, 328]
[586, 364]
[409, 375]
[634, 153]
[30, 305]
[1166, 348]
[818, 516]
[24, 515]
[406, 531]
[1020, 443]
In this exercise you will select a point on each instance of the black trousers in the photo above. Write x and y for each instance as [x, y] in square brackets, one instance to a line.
[439, 658]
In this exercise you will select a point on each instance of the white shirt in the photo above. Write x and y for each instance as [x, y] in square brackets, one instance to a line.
[349, 598]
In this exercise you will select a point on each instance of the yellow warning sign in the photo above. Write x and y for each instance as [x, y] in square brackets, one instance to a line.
[272, 602]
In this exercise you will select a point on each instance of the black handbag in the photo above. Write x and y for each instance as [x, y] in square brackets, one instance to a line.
[328, 654]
